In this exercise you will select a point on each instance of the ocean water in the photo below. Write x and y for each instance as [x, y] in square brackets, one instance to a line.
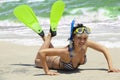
[102, 16]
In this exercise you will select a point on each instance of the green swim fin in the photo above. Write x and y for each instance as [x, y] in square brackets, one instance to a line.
[26, 15]
[55, 15]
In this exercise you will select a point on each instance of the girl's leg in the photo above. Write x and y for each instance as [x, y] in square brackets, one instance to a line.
[46, 44]
[52, 61]
[51, 45]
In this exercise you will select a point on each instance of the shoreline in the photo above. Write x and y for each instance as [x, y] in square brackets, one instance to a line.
[17, 62]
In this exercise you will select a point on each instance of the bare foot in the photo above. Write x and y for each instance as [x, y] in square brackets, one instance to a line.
[48, 38]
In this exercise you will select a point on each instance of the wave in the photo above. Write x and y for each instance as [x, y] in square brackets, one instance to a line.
[42, 8]
[102, 17]
[57, 43]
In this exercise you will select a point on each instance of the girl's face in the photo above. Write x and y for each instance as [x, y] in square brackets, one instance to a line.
[80, 39]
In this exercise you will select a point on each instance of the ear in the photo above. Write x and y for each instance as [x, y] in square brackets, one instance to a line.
[73, 39]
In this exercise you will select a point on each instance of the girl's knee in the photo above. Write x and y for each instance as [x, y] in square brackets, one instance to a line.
[38, 63]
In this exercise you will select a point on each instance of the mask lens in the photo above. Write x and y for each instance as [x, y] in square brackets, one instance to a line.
[78, 31]
[87, 29]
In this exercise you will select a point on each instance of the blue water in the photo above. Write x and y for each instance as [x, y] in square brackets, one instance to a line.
[102, 16]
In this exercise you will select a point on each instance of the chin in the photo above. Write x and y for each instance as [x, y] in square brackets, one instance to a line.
[80, 45]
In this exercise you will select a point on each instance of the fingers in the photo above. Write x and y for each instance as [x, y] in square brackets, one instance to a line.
[117, 70]
[55, 73]
[114, 70]
[52, 73]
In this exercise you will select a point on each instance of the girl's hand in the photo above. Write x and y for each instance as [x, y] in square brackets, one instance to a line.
[51, 73]
[113, 70]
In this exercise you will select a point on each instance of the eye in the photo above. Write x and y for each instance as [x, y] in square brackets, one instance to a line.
[79, 38]
[85, 38]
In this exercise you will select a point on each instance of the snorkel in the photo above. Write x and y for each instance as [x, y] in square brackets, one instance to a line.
[71, 30]
[71, 38]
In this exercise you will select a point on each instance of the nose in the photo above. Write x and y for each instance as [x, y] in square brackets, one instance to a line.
[82, 41]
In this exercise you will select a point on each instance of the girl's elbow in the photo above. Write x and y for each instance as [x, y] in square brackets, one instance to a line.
[104, 49]
[41, 54]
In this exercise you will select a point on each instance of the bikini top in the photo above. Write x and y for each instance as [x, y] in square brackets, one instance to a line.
[69, 66]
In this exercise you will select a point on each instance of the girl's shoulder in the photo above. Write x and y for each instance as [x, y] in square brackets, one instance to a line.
[90, 42]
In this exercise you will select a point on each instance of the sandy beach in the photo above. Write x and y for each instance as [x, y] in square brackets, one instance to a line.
[17, 63]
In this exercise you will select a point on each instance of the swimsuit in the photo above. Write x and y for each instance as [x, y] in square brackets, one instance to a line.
[69, 66]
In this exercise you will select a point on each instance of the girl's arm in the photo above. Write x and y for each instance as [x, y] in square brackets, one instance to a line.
[49, 52]
[106, 53]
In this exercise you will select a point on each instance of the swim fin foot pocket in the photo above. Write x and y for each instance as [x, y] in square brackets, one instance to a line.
[53, 33]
